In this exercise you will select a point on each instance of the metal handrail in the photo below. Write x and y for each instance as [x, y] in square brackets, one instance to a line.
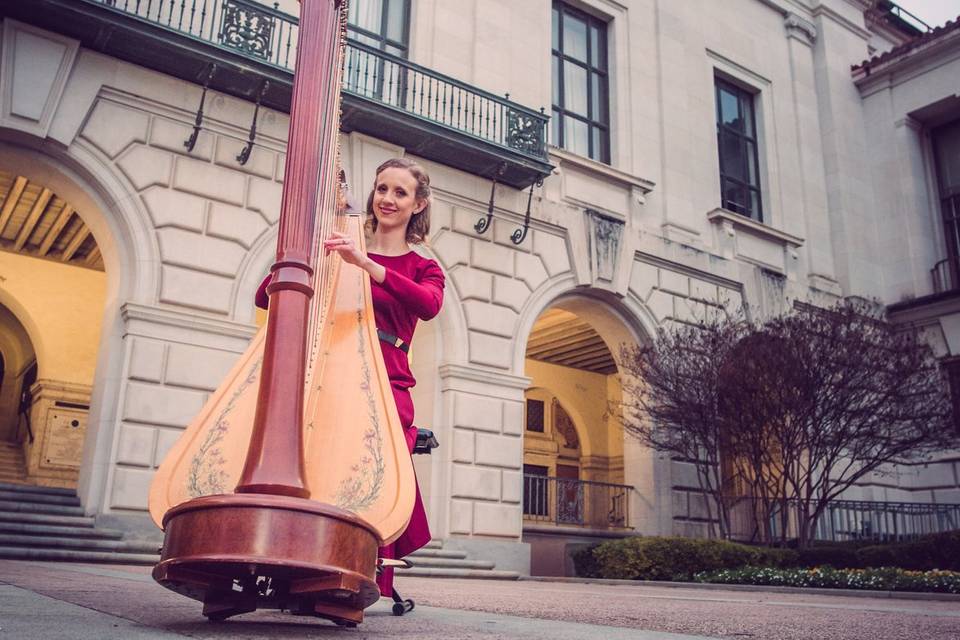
[576, 503]
[268, 35]
[841, 520]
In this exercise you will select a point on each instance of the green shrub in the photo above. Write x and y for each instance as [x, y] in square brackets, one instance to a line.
[935, 551]
[885, 578]
[640, 558]
[840, 557]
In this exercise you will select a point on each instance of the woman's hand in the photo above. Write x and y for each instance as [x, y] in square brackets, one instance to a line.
[345, 246]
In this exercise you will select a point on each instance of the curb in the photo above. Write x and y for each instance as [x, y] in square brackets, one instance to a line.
[819, 591]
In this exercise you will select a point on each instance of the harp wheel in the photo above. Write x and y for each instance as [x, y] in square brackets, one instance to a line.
[400, 608]
[217, 617]
[345, 623]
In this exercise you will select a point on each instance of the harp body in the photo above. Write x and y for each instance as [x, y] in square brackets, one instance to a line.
[279, 492]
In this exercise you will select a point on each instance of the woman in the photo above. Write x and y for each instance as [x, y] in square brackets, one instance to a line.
[406, 288]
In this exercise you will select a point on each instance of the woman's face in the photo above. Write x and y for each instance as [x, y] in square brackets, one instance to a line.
[394, 198]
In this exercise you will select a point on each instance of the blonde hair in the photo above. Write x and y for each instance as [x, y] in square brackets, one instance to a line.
[419, 226]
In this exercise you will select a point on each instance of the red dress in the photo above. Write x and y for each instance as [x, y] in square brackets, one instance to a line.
[412, 290]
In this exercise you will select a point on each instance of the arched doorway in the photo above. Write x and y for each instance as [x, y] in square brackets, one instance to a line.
[573, 453]
[18, 369]
[54, 291]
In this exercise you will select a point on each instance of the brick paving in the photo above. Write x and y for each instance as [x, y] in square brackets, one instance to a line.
[48, 601]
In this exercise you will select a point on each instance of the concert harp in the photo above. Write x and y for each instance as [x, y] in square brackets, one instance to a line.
[279, 492]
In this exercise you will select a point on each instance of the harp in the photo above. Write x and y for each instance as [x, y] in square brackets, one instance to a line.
[279, 492]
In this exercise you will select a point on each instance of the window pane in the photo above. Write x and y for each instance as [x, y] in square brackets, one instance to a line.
[575, 37]
[732, 159]
[556, 28]
[366, 14]
[598, 98]
[746, 109]
[755, 209]
[575, 88]
[751, 151]
[601, 145]
[734, 197]
[556, 80]
[729, 109]
[575, 136]
[946, 145]
[595, 51]
[555, 122]
[396, 17]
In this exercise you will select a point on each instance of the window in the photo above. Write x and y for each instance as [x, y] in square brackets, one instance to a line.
[383, 24]
[581, 119]
[535, 415]
[946, 151]
[737, 142]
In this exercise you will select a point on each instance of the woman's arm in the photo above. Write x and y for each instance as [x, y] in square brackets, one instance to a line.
[423, 298]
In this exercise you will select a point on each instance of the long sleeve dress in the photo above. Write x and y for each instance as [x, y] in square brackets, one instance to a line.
[412, 290]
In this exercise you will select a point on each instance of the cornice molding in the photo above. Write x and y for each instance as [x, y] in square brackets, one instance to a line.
[484, 376]
[183, 319]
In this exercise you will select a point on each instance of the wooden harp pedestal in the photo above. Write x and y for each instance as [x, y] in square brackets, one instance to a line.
[282, 552]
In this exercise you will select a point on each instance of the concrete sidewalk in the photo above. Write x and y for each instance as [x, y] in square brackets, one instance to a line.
[48, 601]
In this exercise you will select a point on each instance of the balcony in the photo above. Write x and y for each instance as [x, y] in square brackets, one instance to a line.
[253, 49]
[575, 503]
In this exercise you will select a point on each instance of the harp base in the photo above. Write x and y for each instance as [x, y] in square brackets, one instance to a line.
[241, 552]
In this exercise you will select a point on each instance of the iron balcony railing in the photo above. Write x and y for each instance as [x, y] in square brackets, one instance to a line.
[270, 36]
[577, 503]
[757, 520]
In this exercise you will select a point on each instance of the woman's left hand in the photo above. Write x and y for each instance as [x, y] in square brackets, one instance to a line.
[345, 246]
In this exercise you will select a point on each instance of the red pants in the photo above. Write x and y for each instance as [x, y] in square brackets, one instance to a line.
[417, 532]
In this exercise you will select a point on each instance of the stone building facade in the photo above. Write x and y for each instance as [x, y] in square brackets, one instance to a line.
[622, 244]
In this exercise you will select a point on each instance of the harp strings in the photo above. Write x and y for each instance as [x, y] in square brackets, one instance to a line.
[330, 199]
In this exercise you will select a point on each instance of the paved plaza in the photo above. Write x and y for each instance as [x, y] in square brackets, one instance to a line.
[106, 602]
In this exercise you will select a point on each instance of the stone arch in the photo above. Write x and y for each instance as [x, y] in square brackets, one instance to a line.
[635, 320]
[122, 228]
[256, 264]
[17, 354]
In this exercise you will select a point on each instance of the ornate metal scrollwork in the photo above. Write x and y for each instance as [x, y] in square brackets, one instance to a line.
[247, 29]
[525, 133]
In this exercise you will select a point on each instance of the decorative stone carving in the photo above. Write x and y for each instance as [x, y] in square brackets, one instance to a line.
[563, 425]
[797, 27]
[604, 237]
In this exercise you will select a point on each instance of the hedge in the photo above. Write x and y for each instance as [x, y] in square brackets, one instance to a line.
[641, 558]
[650, 558]
[884, 579]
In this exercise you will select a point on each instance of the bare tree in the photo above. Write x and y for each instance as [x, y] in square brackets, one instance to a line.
[672, 394]
[791, 412]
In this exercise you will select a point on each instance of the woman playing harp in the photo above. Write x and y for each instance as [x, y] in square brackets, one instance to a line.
[406, 288]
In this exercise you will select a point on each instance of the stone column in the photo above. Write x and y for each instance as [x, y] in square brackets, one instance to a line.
[484, 411]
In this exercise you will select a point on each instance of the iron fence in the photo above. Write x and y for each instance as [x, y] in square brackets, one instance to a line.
[578, 503]
[758, 520]
[255, 30]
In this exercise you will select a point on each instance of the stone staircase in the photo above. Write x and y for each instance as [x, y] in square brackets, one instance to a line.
[433, 561]
[12, 467]
[45, 523]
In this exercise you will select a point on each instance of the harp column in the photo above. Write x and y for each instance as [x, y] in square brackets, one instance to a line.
[274, 462]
